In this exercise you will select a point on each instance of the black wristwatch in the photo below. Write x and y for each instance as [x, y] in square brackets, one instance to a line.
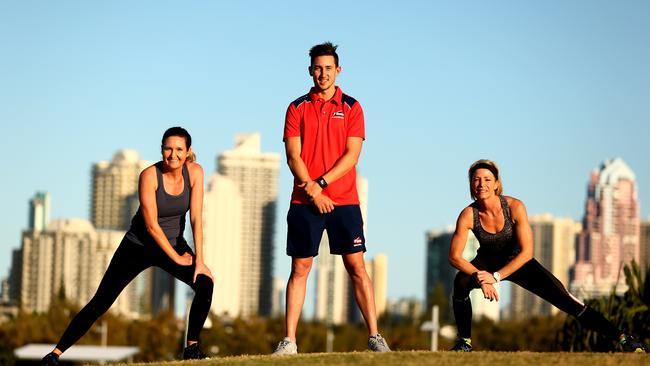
[321, 182]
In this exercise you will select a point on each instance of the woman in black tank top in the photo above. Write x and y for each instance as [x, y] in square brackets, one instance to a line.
[167, 190]
[501, 226]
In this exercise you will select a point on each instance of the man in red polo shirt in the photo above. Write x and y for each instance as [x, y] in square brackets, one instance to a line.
[323, 134]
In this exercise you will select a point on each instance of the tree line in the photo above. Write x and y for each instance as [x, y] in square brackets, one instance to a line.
[161, 337]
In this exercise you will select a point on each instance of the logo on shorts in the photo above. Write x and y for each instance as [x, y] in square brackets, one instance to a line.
[338, 114]
[358, 241]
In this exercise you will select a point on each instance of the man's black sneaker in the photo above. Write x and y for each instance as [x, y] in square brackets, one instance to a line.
[50, 359]
[630, 344]
[193, 352]
[463, 345]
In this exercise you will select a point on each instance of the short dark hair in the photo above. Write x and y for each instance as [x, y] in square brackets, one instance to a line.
[324, 49]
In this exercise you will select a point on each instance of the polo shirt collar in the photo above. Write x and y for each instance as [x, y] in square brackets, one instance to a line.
[337, 98]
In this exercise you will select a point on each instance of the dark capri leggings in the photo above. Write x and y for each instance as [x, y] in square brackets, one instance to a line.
[535, 278]
[129, 260]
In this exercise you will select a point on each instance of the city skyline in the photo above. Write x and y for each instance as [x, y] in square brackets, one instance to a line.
[547, 90]
[308, 309]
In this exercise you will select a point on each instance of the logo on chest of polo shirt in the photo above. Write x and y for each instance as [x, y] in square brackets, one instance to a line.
[338, 114]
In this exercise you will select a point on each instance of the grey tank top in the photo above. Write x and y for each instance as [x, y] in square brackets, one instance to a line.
[171, 212]
[502, 245]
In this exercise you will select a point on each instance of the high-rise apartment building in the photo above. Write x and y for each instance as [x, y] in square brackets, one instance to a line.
[4, 292]
[68, 259]
[114, 187]
[256, 175]
[554, 242]
[610, 233]
[39, 211]
[438, 269]
[644, 245]
[15, 275]
[222, 243]
[37, 221]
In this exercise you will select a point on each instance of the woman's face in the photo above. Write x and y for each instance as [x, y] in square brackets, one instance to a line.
[484, 184]
[174, 152]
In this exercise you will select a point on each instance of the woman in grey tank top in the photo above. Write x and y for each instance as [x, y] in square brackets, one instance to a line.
[501, 226]
[167, 191]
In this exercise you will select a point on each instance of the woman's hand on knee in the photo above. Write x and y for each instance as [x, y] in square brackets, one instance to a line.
[485, 277]
[201, 268]
[489, 292]
[184, 260]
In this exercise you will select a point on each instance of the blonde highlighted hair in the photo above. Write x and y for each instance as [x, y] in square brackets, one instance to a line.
[492, 167]
[191, 157]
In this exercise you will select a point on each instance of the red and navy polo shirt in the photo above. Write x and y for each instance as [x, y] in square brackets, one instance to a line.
[324, 127]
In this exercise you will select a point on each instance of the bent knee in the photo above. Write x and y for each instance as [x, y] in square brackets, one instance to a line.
[203, 284]
[462, 282]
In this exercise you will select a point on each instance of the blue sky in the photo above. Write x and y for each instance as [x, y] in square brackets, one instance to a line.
[547, 89]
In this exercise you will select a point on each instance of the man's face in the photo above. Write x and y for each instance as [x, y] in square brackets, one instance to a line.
[324, 72]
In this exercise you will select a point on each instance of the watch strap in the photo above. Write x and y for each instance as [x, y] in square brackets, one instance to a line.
[321, 182]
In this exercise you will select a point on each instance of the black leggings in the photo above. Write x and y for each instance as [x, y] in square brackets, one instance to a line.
[129, 260]
[535, 278]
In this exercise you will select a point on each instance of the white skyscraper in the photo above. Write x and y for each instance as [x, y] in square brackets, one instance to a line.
[222, 243]
[39, 211]
[68, 258]
[114, 187]
[256, 175]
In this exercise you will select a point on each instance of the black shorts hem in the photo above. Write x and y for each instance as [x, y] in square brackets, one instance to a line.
[360, 249]
[300, 255]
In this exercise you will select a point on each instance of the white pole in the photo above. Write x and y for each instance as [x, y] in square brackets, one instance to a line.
[435, 328]
[330, 339]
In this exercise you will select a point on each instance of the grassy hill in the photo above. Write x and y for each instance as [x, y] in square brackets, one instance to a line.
[421, 358]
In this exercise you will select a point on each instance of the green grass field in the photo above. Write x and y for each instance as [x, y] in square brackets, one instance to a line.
[420, 358]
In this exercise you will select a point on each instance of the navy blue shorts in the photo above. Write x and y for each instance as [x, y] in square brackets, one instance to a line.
[344, 227]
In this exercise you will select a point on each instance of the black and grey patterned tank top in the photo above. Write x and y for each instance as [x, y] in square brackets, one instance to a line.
[500, 245]
[171, 212]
